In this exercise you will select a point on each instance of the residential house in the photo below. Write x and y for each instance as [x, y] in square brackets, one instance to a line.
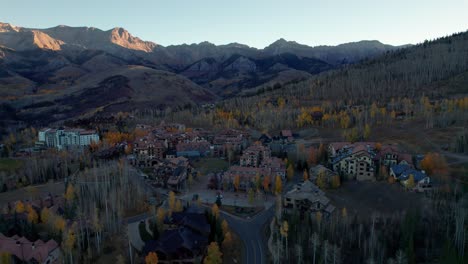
[193, 149]
[184, 240]
[389, 155]
[287, 135]
[307, 197]
[403, 172]
[25, 251]
[178, 178]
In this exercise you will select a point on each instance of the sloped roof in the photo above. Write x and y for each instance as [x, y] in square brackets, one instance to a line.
[27, 250]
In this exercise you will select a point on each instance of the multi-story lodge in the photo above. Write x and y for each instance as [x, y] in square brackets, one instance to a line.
[67, 137]
[353, 161]
[254, 155]
[148, 150]
[256, 160]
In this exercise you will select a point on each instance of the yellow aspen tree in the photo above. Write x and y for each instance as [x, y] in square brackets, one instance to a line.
[70, 193]
[236, 182]
[266, 183]
[305, 175]
[227, 241]
[19, 208]
[45, 215]
[410, 182]
[278, 185]
[178, 206]
[32, 215]
[290, 171]
[172, 202]
[336, 183]
[214, 255]
[151, 258]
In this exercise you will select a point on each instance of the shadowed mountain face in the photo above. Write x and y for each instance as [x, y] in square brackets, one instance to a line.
[39, 64]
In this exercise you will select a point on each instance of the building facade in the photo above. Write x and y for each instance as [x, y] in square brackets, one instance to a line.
[63, 138]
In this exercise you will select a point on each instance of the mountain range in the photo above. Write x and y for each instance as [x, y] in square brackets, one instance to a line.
[63, 71]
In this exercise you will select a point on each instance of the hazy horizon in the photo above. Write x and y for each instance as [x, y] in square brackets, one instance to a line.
[255, 24]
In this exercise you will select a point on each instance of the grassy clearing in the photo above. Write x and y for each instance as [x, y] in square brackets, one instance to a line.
[207, 165]
[365, 198]
[7, 164]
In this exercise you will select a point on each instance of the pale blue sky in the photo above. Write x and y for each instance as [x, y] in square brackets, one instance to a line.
[256, 23]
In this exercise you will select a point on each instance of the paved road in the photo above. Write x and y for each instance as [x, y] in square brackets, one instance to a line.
[250, 232]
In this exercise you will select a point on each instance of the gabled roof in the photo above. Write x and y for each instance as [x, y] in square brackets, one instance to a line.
[176, 241]
[403, 172]
[399, 169]
[27, 250]
[195, 221]
[286, 133]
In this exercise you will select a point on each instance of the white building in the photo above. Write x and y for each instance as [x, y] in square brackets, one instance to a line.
[67, 137]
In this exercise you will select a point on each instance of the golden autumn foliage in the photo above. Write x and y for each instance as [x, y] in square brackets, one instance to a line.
[227, 241]
[410, 182]
[69, 240]
[435, 164]
[278, 185]
[172, 202]
[151, 258]
[290, 171]
[178, 206]
[59, 223]
[305, 175]
[32, 214]
[335, 183]
[70, 193]
[344, 212]
[19, 208]
[266, 183]
[113, 138]
[5, 258]
[312, 159]
[322, 182]
[214, 255]
[304, 117]
[236, 182]
[45, 215]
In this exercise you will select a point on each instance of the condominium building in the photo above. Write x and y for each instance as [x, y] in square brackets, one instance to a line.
[67, 137]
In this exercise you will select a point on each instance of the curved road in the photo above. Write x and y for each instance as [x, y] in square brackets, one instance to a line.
[251, 233]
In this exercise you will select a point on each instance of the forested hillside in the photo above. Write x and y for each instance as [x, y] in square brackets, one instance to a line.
[429, 81]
